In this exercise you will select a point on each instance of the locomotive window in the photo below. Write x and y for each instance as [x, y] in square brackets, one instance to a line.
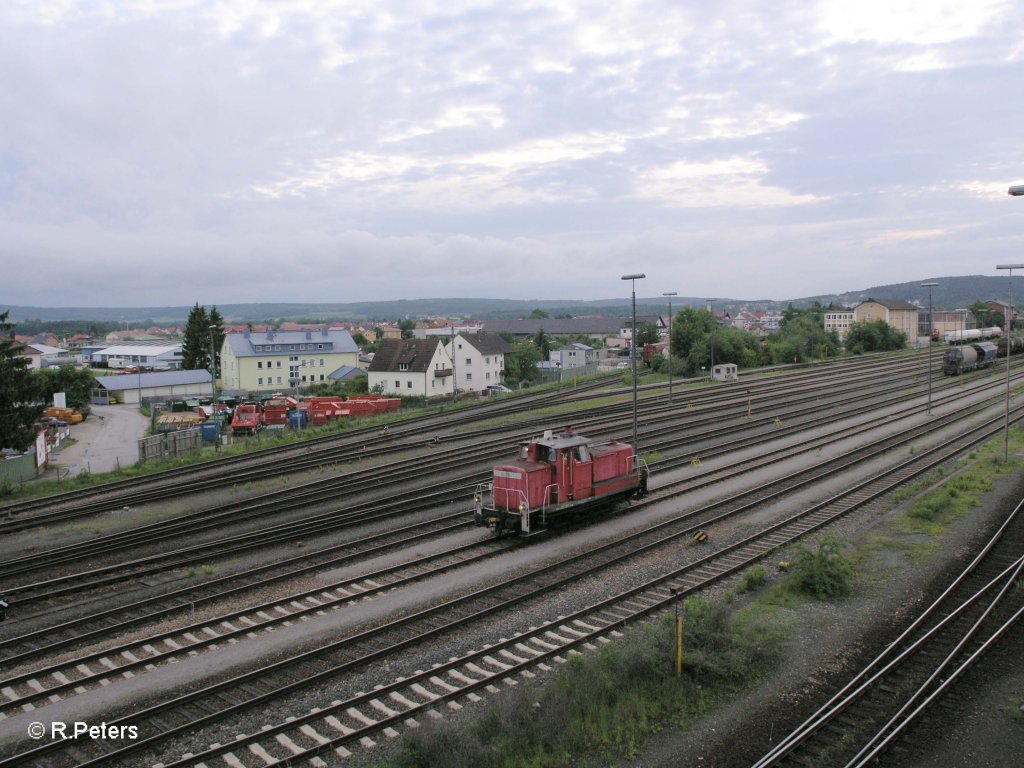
[582, 454]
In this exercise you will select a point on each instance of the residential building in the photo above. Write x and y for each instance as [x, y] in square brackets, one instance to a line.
[756, 321]
[901, 315]
[276, 360]
[839, 320]
[411, 367]
[43, 356]
[478, 359]
[573, 356]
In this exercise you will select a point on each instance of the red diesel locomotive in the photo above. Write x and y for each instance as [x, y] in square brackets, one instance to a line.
[555, 477]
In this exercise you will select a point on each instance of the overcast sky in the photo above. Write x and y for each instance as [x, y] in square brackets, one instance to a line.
[164, 152]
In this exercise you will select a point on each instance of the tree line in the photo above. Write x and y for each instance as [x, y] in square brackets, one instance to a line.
[698, 341]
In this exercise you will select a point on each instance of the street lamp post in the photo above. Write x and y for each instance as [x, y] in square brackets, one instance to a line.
[213, 372]
[670, 294]
[928, 346]
[714, 323]
[1009, 324]
[632, 355]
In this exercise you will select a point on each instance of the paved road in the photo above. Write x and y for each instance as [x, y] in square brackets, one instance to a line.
[108, 439]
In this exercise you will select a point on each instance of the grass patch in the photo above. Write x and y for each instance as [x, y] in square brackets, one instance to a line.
[604, 706]
[753, 579]
[1015, 709]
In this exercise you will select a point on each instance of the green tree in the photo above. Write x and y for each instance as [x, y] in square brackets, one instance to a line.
[985, 317]
[874, 336]
[543, 344]
[20, 404]
[521, 365]
[360, 339]
[77, 384]
[802, 336]
[539, 314]
[647, 334]
[689, 327]
[195, 347]
[406, 326]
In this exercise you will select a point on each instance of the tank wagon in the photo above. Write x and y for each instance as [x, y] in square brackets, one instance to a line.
[1016, 345]
[973, 334]
[968, 357]
[556, 477]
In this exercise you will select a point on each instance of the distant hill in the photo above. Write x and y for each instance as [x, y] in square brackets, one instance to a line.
[951, 292]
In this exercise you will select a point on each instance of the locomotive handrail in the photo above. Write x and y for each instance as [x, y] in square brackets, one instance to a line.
[543, 507]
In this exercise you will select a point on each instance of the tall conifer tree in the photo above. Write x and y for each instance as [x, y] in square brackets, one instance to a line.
[20, 404]
[195, 348]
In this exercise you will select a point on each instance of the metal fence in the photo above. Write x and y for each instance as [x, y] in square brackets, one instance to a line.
[18, 469]
[181, 443]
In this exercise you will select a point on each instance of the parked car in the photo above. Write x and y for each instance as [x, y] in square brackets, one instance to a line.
[497, 389]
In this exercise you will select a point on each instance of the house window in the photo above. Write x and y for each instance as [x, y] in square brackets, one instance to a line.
[469, 361]
[469, 377]
[321, 377]
[321, 362]
[259, 382]
[398, 385]
[278, 363]
[291, 347]
[319, 346]
[277, 347]
[259, 364]
[487, 376]
[408, 384]
[403, 366]
[278, 379]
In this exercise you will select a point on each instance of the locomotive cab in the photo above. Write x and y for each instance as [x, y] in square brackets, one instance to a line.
[554, 477]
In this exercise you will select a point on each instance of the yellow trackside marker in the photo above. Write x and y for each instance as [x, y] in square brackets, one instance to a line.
[695, 461]
[778, 422]
[783, 565]
[679, 646]
[700, 536]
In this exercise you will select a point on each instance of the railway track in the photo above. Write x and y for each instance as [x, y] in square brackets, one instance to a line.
[352, 446]
[540, 582]
[664, 438]
[142, 653]
[346, 447]
[891, 695]
[483, 447]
